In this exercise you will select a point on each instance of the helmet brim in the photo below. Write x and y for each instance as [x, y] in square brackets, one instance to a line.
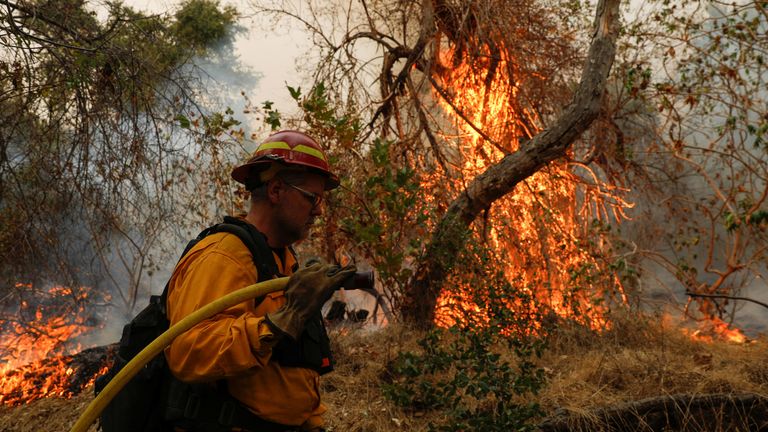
[249, 173]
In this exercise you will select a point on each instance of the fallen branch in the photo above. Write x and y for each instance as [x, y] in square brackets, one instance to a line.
[713, 412]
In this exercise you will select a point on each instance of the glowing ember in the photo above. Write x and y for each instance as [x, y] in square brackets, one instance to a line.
[38, 336]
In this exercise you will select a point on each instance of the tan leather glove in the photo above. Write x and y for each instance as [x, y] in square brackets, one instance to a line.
[306, 292]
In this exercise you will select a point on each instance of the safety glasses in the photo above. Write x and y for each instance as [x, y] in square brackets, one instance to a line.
[313, 198]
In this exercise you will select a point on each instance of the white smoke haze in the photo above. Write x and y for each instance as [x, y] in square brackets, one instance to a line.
[724, 170]
[135, 261]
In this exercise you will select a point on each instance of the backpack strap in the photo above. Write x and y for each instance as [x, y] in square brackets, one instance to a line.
[253, 239]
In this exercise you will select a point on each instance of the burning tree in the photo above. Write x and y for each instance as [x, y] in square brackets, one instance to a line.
[472, 109]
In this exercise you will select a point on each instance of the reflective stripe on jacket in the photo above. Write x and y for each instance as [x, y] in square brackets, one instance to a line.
[236, 345]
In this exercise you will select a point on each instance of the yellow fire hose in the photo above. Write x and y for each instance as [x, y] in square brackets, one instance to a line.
[133, 367]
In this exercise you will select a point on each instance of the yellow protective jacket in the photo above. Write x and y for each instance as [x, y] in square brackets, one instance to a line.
[236, 345]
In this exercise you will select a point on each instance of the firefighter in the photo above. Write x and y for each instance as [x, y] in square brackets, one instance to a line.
[259, 362]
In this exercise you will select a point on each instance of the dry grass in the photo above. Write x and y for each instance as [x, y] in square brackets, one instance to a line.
[46, 414]
[637, 359]
[353, 393]
[642, 358]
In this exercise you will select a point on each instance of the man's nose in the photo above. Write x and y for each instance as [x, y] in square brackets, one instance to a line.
[318, 209]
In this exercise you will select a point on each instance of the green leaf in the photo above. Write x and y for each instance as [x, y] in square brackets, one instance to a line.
[183, 121]
[295, 92]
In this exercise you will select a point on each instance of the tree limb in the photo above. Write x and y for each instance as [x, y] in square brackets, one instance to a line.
[692, 294]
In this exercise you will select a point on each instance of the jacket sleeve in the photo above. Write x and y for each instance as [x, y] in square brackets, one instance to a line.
[228, 343]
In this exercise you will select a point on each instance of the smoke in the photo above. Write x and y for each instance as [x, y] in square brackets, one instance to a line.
[706, 170]
[132, 257]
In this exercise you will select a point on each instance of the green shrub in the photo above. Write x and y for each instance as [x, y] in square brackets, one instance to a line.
[480, 372]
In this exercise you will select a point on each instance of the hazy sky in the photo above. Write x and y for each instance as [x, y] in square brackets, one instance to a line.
[270, 54]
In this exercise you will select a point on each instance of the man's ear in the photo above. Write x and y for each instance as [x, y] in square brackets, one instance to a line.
[274, 188]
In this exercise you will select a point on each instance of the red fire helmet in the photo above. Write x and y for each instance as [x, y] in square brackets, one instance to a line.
[290, 148]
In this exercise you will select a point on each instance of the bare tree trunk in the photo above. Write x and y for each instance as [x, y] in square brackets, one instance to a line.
[451, 233]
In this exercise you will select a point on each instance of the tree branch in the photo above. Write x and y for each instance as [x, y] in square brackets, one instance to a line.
[727, 297]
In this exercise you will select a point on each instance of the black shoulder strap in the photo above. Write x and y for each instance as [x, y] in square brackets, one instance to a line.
[256, 242]
[252, 238]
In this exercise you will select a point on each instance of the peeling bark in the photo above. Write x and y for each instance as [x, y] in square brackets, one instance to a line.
[451, 233]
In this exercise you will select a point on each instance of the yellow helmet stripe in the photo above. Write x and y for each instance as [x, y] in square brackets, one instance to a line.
[301, 148]
[310, 151]
[273, 145]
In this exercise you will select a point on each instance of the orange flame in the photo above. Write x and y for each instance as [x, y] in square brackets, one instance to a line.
[36, 340]
[535, 226]
[541, 228]
[715, 329]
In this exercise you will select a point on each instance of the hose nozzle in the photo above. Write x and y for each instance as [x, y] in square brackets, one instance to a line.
[364, 280]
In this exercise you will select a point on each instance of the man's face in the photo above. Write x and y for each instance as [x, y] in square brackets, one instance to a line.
[297, 210]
